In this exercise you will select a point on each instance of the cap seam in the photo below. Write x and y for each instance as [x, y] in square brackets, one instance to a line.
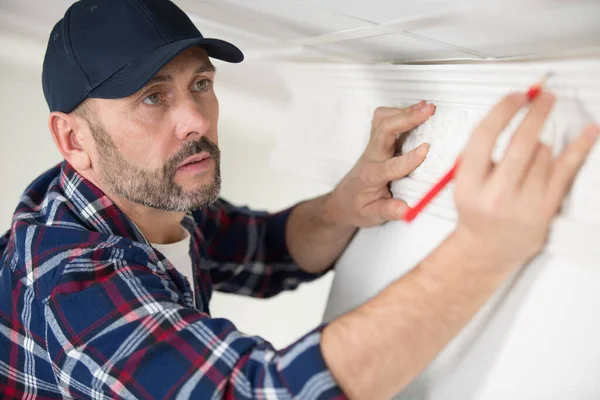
[70, 52]
[151, 19]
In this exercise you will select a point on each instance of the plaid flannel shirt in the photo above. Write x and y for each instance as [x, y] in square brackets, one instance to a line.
[88, 309]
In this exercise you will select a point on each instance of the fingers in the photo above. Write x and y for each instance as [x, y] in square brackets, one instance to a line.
[476, 159]
[389, 122]
[536, 180]
[398, 167]
[419, 105]
[405, 119]
[383, 112]
[567, 165]
[524, 143]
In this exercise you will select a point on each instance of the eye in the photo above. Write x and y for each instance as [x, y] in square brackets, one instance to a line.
[153, 99]
[202, 85]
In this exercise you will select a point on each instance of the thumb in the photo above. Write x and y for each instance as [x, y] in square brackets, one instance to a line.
[398, 167]
[391, 209]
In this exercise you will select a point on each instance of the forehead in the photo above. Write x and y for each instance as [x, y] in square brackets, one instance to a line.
[189, 58]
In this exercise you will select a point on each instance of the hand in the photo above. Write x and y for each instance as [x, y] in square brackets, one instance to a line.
[505, 210]
[362, 198]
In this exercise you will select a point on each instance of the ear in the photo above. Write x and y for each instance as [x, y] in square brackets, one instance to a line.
[68, 134]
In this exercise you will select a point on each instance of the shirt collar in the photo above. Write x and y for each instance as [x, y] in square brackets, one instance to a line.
[94, 207]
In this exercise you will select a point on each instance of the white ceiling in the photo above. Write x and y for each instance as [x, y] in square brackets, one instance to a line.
[368, 30]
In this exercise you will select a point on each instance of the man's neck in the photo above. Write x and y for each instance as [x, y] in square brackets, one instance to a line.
[157, 226]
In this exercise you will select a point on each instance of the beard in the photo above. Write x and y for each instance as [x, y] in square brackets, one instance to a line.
[155, 188]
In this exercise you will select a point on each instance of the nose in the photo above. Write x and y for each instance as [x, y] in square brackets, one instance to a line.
[191, 123]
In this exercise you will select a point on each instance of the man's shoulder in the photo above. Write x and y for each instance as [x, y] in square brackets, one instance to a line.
[50, 232]
[42, 255]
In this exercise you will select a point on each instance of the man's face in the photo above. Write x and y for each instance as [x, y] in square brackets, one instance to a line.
[143, 142]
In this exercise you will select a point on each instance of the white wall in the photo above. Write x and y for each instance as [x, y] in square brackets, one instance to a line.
[250, 121]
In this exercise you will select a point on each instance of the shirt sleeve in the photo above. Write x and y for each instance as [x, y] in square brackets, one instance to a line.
[119, 330]
[248, 251]
[4, 242]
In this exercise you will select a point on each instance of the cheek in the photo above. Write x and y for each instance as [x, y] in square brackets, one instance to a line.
[142, 147]
[214, 119]
[216, 105]
[136, 135]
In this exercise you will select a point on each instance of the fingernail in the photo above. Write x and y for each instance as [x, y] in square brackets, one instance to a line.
[426, 109]
[423, 149]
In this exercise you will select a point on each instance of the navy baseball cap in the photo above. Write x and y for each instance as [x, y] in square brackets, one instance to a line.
[111, 48]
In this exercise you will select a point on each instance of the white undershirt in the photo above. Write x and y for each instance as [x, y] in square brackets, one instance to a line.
[178, 254]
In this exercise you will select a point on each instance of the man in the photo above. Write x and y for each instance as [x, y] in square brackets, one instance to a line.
[107, 271]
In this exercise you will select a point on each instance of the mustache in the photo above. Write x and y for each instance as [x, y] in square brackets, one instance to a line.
[190, 149]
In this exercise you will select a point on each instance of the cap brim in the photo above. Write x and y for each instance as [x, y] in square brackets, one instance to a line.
[138, 72]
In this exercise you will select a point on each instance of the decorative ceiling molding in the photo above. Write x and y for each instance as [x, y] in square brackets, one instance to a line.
[330, 115]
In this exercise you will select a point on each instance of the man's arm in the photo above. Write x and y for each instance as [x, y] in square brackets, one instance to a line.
[378, 349]
[504, 216]
[247, 250]
[314, 238]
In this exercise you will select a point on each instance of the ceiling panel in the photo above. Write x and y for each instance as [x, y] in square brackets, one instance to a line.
[553, 28]
[367, 31]
[396, 47]
[235, 18]
[380, 11]
[293, 20]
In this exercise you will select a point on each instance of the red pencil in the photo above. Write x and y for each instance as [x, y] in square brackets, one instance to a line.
[534, 90]
[412, 212]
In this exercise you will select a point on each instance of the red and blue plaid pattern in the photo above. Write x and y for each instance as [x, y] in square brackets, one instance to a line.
[88, 309]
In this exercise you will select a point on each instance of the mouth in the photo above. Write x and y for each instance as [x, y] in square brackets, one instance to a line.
[196, 163]
[196, 159]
